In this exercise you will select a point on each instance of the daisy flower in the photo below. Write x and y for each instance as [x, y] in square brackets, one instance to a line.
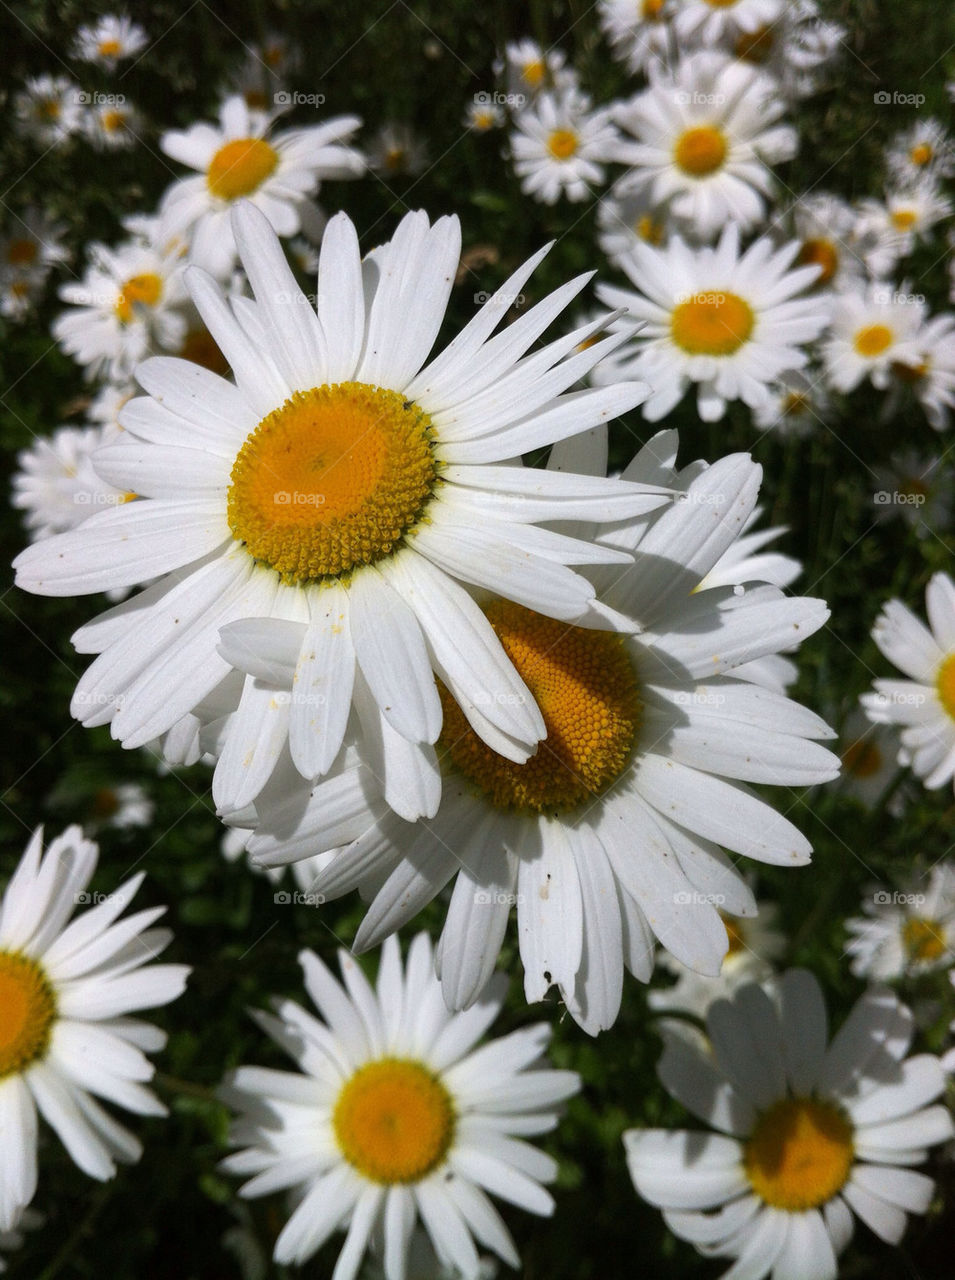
[356, 552]
[112, 126]
[56, 485]
[49, 109]
[626, 218]
[871, 332]
[607, 836]
[483, 115]
[754, 944]
[123, 806]
[704, 135]
[907, 932]
[728, 323]
[32, 246]
[705, 23]
[931, 373]
[826, 228]
[397, 151]
[112, 39]
[66, 1037]
[926, 147]
[124, 308]
[530, 70]
[924, 704]
[242, 159]
[809, 1131]
[869, 760]
[891, 230]
[795, 406]
[792, 49]
[638, 34]
[559, 146]
[394, 1116]
[915, 487]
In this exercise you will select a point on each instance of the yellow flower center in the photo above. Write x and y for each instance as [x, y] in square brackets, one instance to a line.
[921, 154]
[110, 48]
[796, 403]
[240, 167]
[862, 759]
[872, 340]
[754, 46]
[394, 1121]
[903, 219]
[819, 253]
[201, 348]
[734, 935]
[909, 373]
[105, 803]
[396, 159]
[144, 290]
[945, 684]
[923, 939]
[113, 121]
[586, 689]
[721, 4]
[484, 120]
[21, 253]
[272, 56]
[799, 1154]
[332, 479]
[27, 1012]
[562, 144]
[256, 99]
[534, 72]
[49, 108]
[651, 10]
[712, 324]
[649, 230]
[700, 151]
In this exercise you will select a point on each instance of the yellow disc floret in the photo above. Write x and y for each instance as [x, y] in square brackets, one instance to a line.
[562, 144]
[712, 324]
[27, 1012]
[923, 939]
[394, 1121]
[799, 1154]
[819, 253]
[945, 684]
[903, 219]
[143, 291]
[700, 151]
[734, 935]
[332, 479]
[240, 167]
[22, 253]
[862, 759]
[872, 340]
[921, 154]
[585, 686]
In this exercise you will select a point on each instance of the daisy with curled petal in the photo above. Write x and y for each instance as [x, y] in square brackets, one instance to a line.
[827, 230]
[394, 1116]
[240, 158]
[338, 495]
[560, 145]
[925, 703]
[56, 485]
[124, 309]
[626, 218]
[66, 993]
[905, 932]
[797, 405]
[810, 1133]
[926, 147]
[49, 109]
[638, 34]
[608, 835]
[110, 40]
[703, 137]
[729, 323]
[871, 332]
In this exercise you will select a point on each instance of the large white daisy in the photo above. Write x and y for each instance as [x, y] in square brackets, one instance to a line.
[730, 323]
[394, 1116]
[924, 704]
[66, 993]
[705, 134]
[337, 496]
[608, 836]
[809, 1131]
[242, 159]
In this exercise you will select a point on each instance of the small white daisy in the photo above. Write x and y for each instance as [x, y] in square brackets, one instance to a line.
[483, 115]
[396, 150]
[626, 218]
[905, 931]
[32, 245]
[125, 308]
[122, 807]
[111, 40]
[731, 324]
[870, 332]
[66, 993]
[931, 373]
[49, 109]
[809, 1131]
[638, 33]
[56, 485]
[707, 23]
[353, 555]
[704, 136]
[242, 159]
[795, 49]
[916, 488]
[560, 145]
[891, 229]
[112, 126]
[869, 754]
[530, 70]
[607, 836]
[394, 1116]
[926, 147]
[797, 404]
[826, 228]
[924, 703]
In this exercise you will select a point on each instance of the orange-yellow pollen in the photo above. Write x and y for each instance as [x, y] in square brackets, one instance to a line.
[586, 689]
[562, 144]
[796, 402]
[534, 73]
[923, 939]
[394, 1121]
[862, 759]
[110, 48]
[21, 253]
[921, 154]
[652, 10]
[144, 290]
[700, 151]
[734, 935]
[27, 1012]
[712, 324]
[332, 479]
[903, 219]
[800, 1154]
[240, 167]
[754, 46]
[113, 121]
[872, 340]
[819, 253]
[945, 684]
[648, 229]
